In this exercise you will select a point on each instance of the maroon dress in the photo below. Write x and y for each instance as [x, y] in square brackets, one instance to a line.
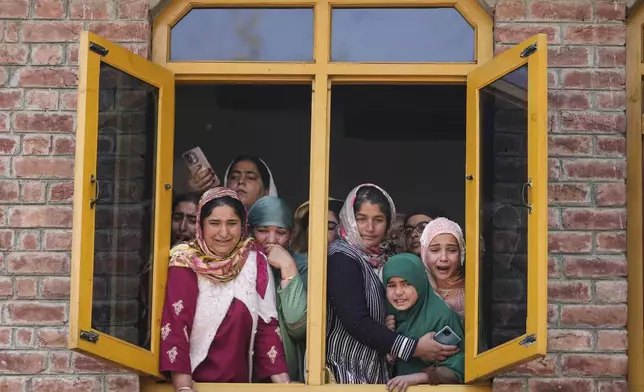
[227, 359]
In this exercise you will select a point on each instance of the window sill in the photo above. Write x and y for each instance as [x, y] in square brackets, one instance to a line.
[147, 385]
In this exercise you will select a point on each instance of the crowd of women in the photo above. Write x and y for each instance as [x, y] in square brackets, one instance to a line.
[235, 306]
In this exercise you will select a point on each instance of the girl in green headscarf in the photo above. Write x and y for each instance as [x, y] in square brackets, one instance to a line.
[419, 310]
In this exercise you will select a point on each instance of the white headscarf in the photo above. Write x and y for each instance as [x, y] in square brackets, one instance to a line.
[272, 189]
[442, 226]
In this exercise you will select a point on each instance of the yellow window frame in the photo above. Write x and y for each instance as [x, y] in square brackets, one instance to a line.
[320, 73]
[511, 353]
[107, 347]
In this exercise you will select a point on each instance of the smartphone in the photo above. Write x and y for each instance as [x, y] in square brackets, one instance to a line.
[194, 158]
[447, 336]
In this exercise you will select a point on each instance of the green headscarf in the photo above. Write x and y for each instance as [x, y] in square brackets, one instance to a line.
[271, 211]
[429, 314]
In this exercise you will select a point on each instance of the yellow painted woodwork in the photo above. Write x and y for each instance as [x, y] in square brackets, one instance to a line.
[107, 347]
[493, 361]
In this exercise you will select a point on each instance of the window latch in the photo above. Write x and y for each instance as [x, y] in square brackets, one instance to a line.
[529, 50]
[98, 49]
[524, 195]
[90, 336]
[528, 340]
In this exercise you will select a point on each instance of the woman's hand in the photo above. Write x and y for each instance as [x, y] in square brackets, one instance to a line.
[401, 383]
[390, 322]
[282, 378]
[430, 350]
[203, 179]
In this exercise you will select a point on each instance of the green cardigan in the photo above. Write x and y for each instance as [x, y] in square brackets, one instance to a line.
[291, 311]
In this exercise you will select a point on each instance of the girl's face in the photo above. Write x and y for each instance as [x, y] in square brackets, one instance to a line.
[269, 235]
[411, 232]
[443, 256]
[332, 235]
[222, 230]
[372, 224]
[244, 178]
[401, 294]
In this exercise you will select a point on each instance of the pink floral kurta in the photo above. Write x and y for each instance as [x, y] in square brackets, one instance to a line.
[229, 355]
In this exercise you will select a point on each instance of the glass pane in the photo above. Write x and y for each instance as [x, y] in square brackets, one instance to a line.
[124, 217]
[401, 35]
[504, 216]
[243, 34]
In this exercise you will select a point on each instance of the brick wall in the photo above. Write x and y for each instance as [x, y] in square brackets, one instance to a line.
[38, 80]
[587, 195]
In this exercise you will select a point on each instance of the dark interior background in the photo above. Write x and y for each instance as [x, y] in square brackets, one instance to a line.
[409, 139]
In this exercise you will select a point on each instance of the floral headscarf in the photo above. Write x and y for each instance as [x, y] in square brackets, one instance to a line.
[349, 228]
[442, 226]
[196, 255]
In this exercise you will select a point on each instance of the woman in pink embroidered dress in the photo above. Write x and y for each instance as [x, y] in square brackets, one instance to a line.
[219, 319]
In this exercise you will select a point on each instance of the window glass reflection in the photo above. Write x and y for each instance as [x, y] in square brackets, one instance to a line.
[243, 34]
[401, 35]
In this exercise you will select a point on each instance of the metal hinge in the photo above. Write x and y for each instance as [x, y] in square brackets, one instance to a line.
[528, 340]
[529, 50]
[90, 336]
[96, 48]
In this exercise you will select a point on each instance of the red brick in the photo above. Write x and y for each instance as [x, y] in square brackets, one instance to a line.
[568, 194]
[60, 192]
[68, 100]
[10, 99]
[3, 75]
[42, 100]
[6, 239]
[4, 122]
[26, 287]
[611, 291]
[508, 384]
[85, 364]
[553, 79]
[596, 35]
[569, 340]
[565, 145]
[40, 216]
[45, 77]
[66, 384]
[593, 315]
[560, 11]
[595, 365]
[611, 100]
[553, 267]
[507, 10]
[4, 167]
[138, 9]
[13, 384]
[21, 362]
[594, 219]
[612, 386]
[33, 192]
[140, 49]
[562, 99]
[554, 169]
[13, 54]
[514, 34]
[593, 122]
[14, 8]
[59, 361]
[593, 79]
[24, 337]
[12, 31]
[30, 312]
[72, 54]
[554, 218]
[39, 167]
[6, 287]
[594, 169]
[64, 145]
[539, 367]
[610, 194]
[611, 146]
[5, 342]
[36, 263]
[612, 340]
[44, 122]
[594, 266]
[611, 242]
[49, 32]
[58, 240]
[47, 54]
[568, 291]
[29, 240]
[561, 385]
[611, 11]
[9, 191]
[570, 242]
[121, 31]
[9, 145]
[610, 57]
[92, 9]
[52, 337]
[55, 287]
[49, 9]
[36, 145]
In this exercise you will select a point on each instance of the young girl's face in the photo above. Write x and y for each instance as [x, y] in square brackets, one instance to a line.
[444, 256]
[401, 294]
